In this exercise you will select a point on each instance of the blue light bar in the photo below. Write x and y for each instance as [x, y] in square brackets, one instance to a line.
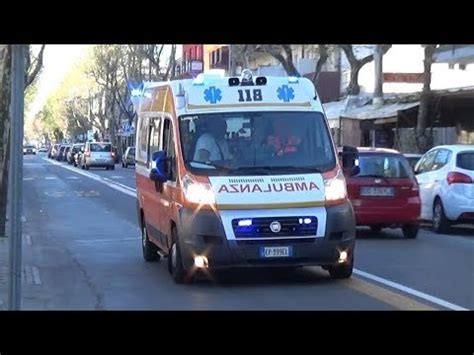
[245, 222]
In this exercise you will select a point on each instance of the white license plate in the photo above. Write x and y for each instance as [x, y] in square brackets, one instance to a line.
[276, 252]
[377, 191]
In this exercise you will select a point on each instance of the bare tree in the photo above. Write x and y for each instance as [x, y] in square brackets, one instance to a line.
[357, 64]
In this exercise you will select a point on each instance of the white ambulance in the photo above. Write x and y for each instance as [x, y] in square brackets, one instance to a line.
[241, 172]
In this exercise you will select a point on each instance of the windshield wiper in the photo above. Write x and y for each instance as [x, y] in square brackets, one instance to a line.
[269, 168]
[217, 166]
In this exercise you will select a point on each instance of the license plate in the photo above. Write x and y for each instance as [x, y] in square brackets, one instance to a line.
[276, 252]
[377, 191]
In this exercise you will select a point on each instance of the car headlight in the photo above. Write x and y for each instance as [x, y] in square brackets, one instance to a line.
[335, 188]
[24, 150]
[197, 192]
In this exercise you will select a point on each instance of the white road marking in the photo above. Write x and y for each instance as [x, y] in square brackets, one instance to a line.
[28, 178]
[116, 177]
[36, 275]
[410, 291]
[105, 240]
[132, 192]
[72, 178]
[113, 184]
[50, 178]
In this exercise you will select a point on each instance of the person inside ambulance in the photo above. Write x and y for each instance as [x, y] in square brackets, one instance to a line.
[282, 142]
[212, 145]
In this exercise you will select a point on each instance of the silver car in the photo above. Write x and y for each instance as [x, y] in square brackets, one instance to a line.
[98, 154]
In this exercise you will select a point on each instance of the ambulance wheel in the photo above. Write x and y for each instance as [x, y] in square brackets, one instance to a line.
[175, 261]
[149, 249]
[342, 271]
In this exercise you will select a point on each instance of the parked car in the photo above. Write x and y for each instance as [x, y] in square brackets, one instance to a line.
[59, 155]
[53, 154]
[413, 159]
[75, 148]
[43, 150]
[98, 154]
[78, 157]
[446, 178]
[29, 149]
[385, 192]
[65, 153]
[117, 157]
[128, 158]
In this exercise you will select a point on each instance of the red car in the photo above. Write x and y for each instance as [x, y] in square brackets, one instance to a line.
[385, 192]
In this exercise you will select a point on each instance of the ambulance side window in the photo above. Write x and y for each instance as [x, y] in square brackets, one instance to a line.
[168, 146]
[154, 138]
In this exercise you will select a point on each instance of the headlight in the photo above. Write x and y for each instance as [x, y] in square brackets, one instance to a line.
[24, 150]
[197, 192]
[335, 188]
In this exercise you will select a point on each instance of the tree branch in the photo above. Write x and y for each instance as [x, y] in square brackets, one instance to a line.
[38, 64]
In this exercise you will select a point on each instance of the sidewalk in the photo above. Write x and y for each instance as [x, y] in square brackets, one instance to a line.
[3, 273]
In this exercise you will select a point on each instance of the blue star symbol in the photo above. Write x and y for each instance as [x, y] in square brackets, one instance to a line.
[213, 95]
[285, 93]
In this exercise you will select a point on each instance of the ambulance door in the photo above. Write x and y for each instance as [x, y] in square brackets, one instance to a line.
[169, 190]
[154, 196]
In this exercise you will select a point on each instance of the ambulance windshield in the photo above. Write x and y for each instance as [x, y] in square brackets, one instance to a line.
[256, 143]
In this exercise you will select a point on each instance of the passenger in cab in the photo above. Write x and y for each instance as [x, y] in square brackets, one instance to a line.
[212, 144]
[282, 141]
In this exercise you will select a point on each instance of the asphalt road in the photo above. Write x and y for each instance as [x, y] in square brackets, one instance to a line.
[82, 250]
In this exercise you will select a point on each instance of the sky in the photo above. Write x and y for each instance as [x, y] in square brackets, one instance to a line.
[57, 60]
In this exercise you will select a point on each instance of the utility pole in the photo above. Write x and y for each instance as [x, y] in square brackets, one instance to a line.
[378, 88]
[16, 172]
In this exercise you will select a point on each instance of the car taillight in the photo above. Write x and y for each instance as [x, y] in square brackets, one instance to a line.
[87, 154]
[458, 178]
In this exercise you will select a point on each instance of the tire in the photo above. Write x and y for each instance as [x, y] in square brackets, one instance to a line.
[342, 271]
[441, 224]
[149, 249]
[86, 167]
[75, 164]
[125, 165]
[112, 167]
[410, 231]
[175, 262]
[107, 167]
[376, 228]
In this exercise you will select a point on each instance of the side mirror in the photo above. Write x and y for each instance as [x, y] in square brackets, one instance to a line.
[350, 160]
[159, 171]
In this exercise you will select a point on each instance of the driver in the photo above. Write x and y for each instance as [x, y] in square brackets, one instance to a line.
[212, 145]
[282, 142]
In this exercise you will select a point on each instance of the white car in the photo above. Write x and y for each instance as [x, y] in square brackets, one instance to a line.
[445, 176]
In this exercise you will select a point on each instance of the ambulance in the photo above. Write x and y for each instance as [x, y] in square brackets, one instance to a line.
[239, 172]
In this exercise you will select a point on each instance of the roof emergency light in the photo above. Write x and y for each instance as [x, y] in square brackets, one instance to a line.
[246, 77]
[292, 79]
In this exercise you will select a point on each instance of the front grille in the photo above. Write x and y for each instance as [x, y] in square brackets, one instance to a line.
[275, 242]
[290, 227]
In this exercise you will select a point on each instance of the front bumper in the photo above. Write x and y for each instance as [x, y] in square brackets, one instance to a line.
[202, 233]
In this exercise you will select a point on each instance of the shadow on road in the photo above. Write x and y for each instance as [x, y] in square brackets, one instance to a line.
[385, 234]
[266, 277]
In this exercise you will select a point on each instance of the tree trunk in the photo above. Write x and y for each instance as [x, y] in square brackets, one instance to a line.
[5, 98]
[354, 88]
[422, 135]
[323, 57]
